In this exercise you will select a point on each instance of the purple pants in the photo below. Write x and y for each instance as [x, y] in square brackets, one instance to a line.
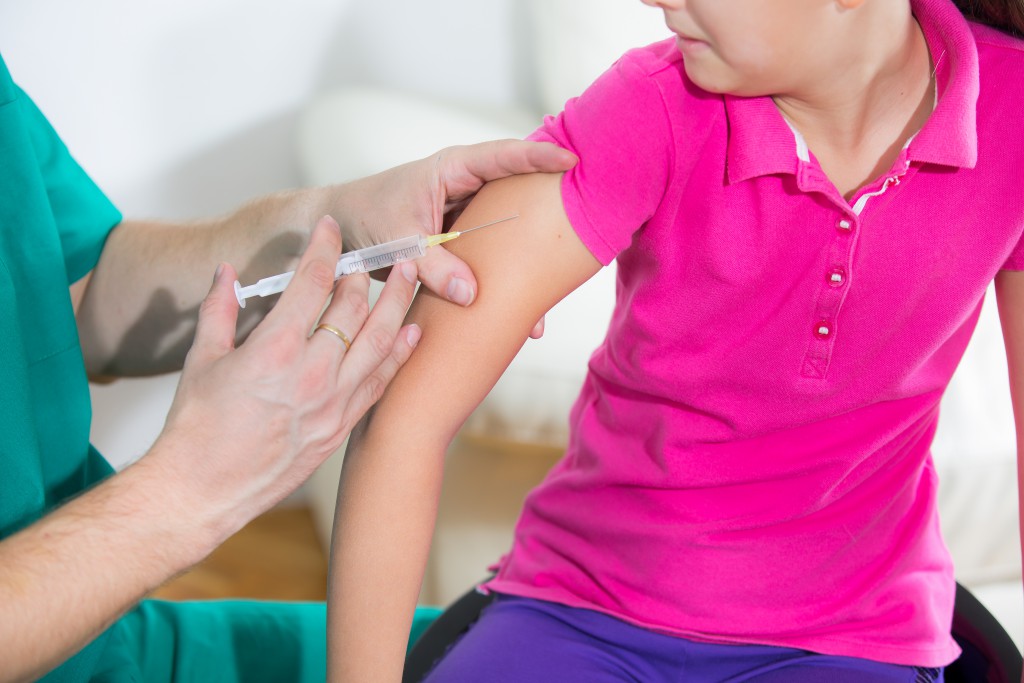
[520, 639]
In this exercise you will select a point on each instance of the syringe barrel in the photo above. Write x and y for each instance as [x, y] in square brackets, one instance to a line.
[381, 255]
[358, 261]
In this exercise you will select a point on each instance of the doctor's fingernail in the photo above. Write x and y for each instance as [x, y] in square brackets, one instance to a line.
[408, 272]
[460, 292]
[413, 335]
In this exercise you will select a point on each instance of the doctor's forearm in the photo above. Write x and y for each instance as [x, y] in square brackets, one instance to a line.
[66, 578]
[138, 307]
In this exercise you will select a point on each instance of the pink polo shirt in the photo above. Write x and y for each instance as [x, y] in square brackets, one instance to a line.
[749, 459]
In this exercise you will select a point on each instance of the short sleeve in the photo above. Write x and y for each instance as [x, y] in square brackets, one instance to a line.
[82, 213]
[620, 130]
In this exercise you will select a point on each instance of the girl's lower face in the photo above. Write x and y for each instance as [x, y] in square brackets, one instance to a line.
[746, 47]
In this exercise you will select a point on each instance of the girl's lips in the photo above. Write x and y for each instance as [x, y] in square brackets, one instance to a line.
[689, 45]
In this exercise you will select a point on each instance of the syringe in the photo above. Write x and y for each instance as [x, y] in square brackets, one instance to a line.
[363, 260]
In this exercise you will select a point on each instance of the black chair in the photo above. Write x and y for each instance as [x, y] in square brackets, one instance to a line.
[989, 654]
[445, 630]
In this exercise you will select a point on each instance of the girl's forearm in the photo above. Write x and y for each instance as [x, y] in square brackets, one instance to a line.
[387, 505]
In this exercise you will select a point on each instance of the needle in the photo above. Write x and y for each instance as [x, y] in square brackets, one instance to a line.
[434, 240]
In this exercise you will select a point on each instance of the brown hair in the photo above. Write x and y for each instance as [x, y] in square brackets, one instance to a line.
[1005, 15]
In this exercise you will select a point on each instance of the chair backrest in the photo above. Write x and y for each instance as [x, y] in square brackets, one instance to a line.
[989, 654]
[443, 633]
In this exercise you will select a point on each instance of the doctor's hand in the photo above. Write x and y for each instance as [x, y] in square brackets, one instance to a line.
[248, 425]
[427, 196]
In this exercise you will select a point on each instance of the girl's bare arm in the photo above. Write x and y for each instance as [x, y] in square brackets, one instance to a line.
[391, 480]
[1010, 297]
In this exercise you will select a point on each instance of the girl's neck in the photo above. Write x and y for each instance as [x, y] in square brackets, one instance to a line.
[857, 122]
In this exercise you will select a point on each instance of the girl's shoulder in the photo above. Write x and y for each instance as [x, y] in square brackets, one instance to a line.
[1000, 66]
[651, 60]
[988, 37]
[660, 66]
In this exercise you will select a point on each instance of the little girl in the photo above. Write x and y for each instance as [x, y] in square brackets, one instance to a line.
[807, 200]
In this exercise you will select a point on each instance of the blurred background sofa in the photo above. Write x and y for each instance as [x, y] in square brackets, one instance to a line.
[189, 109]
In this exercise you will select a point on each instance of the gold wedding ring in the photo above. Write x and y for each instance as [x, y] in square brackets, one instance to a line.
[336, 332]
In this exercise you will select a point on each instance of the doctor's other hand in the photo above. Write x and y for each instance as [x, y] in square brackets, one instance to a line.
[248, 425]
[427, 196]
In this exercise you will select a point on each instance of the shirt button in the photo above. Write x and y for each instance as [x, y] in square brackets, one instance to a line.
[836, 277]
[844, 225]
[823, 329]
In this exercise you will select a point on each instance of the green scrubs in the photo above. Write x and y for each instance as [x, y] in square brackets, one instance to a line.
[53, 223]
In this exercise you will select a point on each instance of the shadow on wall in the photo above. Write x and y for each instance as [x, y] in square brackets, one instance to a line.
[170, 329]
[129, 414]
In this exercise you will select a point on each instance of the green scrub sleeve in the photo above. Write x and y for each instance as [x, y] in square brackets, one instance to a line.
[229, 641]
[83, 214]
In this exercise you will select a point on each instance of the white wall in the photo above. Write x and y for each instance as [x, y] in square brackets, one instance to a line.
[158, 100]
[188, 108]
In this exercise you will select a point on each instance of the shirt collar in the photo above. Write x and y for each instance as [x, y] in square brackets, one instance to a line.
[950, 135]
[762, 143]
[760, 140]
